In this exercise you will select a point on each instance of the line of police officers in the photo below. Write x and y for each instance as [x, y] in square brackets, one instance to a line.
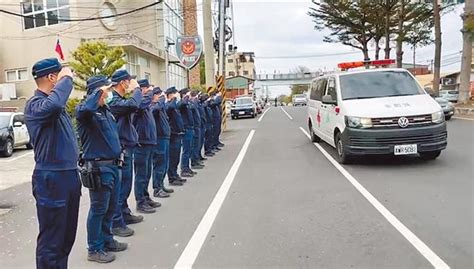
[130, 132]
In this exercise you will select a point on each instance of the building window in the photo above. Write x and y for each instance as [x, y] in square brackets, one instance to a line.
[173, 21]
[16, 75]
[133, 67]
[148, 76]
[231, 74]
[145, 62]
[230, 60]
[44, 12]
[246, 73]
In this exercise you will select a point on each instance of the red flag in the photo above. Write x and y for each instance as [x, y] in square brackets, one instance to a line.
[59, 50]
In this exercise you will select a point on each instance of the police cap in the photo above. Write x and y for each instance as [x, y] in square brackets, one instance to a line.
[45, 67]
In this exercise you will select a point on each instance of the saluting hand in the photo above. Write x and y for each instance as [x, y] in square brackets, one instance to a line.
[133, 85]
[65, 72]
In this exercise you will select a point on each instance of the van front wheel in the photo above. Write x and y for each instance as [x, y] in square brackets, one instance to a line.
[342, 156]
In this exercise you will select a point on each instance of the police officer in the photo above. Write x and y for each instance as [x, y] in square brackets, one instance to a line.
[161, 151]
[123, 110]
[219, 100]
[55, 180]
[209, 134]
[196, 162]
[101, 153]
[177, 132]
[202, 112]
[146, 129]
[185, 109]
[216, 122]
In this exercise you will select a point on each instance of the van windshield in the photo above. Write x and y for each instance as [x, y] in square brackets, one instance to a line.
[378, 84]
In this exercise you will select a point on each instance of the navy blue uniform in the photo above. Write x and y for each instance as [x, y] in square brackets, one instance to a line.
[123, 110]
[177, 131]
[217, 120]
[56, 185]
[162, 149]
[202, 113]
[197, 123]
[146, 128]
[184, 107]
[98, 132]
[209, 134]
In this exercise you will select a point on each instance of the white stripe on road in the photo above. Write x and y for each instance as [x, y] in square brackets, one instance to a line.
[264, 112]
[190, 253]
[434, 259]
[461, 118]
[291, 118]
[19, 157]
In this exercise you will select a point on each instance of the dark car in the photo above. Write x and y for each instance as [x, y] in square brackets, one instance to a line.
[243, 107]
[13, 132]
[448, 107]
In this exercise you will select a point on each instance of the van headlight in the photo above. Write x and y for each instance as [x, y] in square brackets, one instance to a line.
[437, 117]
[357, 122]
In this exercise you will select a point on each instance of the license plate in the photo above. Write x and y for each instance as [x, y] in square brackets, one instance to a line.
[405, 149]
[241, 112]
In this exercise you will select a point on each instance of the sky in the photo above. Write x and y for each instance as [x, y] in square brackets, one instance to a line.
[280, 28]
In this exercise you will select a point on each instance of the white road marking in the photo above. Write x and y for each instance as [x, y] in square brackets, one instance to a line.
[461, 118]
[18, 157]
[434, 259]
[291, 118]
[264, 112]
[190, 253]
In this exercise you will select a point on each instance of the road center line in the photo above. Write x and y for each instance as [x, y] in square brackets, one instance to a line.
[434, 259]
[264, 112]
[291, 118]
[18, 157]
[190, 253]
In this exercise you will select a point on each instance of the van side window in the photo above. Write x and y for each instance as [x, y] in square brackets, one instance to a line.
[17, 118]
[320, 89]
[313, 91]
[332, 88]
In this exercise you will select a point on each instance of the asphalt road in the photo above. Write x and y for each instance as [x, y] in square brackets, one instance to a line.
[273, 199]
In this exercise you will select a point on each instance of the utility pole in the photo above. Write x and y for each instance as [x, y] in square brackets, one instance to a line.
[208, 43]
[221, 37]
[466, 62]
[437, 56]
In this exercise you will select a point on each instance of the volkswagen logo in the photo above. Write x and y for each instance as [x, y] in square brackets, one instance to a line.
[403, 122]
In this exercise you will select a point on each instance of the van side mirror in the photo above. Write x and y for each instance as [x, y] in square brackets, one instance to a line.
[327, 99]
[17, 124]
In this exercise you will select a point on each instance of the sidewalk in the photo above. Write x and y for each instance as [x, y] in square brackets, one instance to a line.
[466, 110]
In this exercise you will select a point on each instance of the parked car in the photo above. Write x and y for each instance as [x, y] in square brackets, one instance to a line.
[13, 132]
[243, 107]
[299, 100]
[375, 112]
[450, 95]
[448, 107]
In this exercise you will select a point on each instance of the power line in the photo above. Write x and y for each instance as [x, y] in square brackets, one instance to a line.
[306, 56]
[82, 19]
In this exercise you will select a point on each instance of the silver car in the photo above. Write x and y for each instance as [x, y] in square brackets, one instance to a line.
[450, 95]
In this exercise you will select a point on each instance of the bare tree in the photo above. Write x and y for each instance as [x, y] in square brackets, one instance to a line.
[466, 62]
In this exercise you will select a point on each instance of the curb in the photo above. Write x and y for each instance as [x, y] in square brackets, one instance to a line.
[464, 111]
[4, 211]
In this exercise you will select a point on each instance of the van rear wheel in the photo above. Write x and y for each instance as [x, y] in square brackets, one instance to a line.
[342, 156]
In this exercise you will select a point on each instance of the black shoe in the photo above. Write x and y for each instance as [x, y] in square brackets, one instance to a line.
[187, 174]
[132, 219]
[145, 208]
[217, 149]
[161, 194]
[176, 183]
[167, 190]
[209, 154]
[203, 159]
[122, 231]
[100, 256]
[197, 166]
[152, 203]
[221, 144]
[195, 173]
[115, 246]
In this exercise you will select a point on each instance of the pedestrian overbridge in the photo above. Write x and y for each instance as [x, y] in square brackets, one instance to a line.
[264, 81]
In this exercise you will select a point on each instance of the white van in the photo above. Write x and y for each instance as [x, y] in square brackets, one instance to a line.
[375, 111]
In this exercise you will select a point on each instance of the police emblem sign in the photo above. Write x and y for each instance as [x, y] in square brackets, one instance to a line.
[189, 50]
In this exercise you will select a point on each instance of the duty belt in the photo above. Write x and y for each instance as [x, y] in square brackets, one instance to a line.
[103, 162]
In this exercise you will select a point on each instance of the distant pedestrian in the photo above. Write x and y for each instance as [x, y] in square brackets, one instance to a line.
[55, 180]
[276, 101]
